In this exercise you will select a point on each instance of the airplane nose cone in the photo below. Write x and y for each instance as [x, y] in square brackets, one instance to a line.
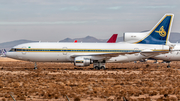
[6, 54]
[9, 54]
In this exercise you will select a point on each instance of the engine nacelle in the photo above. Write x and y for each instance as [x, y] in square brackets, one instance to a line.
[82, 61]
[134, 37]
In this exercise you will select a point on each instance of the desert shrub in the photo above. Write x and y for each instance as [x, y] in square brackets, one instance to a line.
[3, 99]
[160, 99]
[152, 93]
[77, 99]
[147, 65]
[7, 96]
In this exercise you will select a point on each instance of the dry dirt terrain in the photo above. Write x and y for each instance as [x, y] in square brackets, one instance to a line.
[55, 81]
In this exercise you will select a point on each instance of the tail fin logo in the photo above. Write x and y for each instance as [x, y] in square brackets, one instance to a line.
[161, 32]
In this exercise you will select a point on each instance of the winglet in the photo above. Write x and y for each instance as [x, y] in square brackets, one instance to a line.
[113, 38]
[160, 33]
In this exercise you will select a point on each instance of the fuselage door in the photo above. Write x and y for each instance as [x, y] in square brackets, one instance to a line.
[64, 50]
[23, 50]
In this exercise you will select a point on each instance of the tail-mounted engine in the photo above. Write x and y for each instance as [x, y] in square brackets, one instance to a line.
[133, 37]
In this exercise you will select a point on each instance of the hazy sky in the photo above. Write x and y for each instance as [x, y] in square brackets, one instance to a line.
[54, 20]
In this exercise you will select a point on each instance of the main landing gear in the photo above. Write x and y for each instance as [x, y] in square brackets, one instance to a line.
[156, 61]
[168, 66]
[99, 65]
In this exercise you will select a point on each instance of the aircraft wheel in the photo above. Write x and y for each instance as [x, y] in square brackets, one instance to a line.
[168, 66]
[35, 68]
[96, 67]
[102, 67]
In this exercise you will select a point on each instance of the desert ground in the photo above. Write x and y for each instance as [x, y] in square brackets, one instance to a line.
[54, 81]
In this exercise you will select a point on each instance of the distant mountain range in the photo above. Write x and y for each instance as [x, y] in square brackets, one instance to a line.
[174, 37]
[85, 39]
[89, 39]
[9, 45]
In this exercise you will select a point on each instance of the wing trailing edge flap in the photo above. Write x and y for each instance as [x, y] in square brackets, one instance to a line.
[103, 54]
[151, 53]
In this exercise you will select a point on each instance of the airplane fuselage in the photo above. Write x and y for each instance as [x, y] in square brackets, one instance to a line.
[65, 52]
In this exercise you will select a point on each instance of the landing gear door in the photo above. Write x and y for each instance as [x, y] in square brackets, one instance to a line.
[64, 50]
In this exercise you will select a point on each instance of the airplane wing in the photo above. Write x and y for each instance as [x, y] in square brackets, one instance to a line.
[150, 53]
[103, 54]
[147, 53]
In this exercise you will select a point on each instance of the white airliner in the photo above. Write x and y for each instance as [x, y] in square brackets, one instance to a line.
[173, 55]
[83, 54]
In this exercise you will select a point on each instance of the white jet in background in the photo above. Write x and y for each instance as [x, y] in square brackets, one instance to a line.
[3, 53]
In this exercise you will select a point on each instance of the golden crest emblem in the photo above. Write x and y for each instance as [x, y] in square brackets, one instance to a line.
[161, 32]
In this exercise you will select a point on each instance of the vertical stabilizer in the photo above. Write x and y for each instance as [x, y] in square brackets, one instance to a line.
[113, 38]
[160, 33]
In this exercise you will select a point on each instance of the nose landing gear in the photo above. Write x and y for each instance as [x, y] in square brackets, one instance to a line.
[35, 66]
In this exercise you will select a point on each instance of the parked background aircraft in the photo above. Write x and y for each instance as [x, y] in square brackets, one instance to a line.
[113, 38]
[3, 52]
[83, 54]
[173, 55]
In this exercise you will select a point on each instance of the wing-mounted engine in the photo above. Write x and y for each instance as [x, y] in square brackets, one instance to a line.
[134, 37]
[82, 61]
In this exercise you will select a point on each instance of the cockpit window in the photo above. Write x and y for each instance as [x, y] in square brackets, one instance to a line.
[12, 50]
